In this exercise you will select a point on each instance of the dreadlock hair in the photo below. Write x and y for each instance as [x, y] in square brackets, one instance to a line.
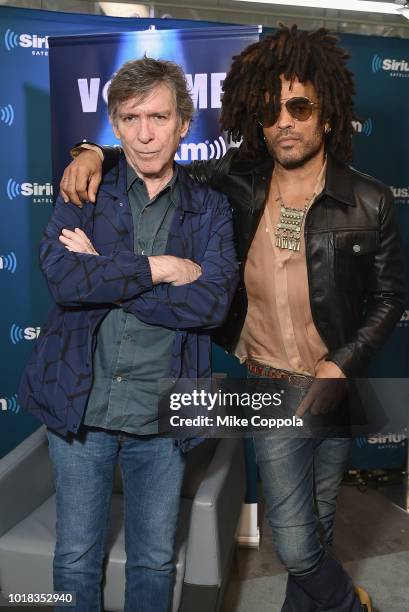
[254, 79]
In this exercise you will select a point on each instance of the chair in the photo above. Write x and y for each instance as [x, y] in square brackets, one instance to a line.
[212, 498]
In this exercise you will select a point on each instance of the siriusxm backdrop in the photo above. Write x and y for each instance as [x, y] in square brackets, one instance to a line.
[81, 67]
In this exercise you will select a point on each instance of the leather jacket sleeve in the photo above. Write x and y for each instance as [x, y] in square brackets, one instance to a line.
[212, 171]
[385, 297]
[111, 157]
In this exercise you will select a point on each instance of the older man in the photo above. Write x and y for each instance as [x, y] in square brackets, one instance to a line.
[134, 278]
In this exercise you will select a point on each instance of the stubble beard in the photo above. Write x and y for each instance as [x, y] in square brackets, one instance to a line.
[292, 161]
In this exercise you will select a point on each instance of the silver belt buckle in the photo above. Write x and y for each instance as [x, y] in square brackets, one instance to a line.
[298, 380]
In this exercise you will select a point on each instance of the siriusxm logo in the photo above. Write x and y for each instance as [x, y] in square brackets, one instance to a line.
[37, 44]
[365, 128]
[17, 333]
[10, 403]
[7, 114]
[361, 441]
[401, 194]
[395, 68]
[404, 320]
[205, 89]
[201, 150]
[40, 192]
[8, 262]
[390, 438]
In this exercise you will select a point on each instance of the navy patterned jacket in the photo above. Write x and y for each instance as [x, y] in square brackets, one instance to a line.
[58, 378]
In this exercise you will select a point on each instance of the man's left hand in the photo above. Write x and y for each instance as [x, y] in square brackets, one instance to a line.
[326, 392]
[77, 241]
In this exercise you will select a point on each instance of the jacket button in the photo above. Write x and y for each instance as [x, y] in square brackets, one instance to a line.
[356, 248]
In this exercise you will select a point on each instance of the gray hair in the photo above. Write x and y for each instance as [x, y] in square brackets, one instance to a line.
[137, 78]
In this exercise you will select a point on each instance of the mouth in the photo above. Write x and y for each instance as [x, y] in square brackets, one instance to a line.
[147, 153]
[288, 140]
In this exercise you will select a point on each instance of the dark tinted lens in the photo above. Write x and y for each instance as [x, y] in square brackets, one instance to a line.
[299, 108]
[267, 117]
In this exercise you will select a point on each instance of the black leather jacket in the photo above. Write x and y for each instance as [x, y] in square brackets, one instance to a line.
[353, 250]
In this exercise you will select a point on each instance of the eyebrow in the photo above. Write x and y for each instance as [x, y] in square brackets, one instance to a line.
[135, 113]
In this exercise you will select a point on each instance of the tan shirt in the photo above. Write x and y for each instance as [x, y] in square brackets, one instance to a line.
[279, 330]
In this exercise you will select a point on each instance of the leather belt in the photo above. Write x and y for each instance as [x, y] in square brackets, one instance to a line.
[261, 369]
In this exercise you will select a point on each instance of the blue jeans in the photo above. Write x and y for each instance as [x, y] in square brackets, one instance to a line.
[152, 472]
[301, 477]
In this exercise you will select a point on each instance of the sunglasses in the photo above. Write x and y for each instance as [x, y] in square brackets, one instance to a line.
[300, 108]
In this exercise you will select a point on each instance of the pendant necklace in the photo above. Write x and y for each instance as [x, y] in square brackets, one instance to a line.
[288, 230]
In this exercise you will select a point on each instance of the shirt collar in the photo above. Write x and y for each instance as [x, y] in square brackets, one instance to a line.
[131, 177]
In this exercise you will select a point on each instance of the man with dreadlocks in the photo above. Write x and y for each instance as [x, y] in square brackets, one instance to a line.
[321, 285]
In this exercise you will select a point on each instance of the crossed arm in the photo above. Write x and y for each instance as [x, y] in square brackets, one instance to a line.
[164, 268]
[160, 290]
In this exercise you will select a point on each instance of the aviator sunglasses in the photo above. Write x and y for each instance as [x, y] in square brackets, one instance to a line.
[300, 108]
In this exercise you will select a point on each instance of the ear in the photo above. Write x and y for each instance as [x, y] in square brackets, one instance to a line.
[184, 128]
[327, 128]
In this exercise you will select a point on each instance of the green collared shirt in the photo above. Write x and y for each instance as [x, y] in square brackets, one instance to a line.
[131, 356]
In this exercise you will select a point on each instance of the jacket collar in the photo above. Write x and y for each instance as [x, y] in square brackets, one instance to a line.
[338, 179]
[115, 184]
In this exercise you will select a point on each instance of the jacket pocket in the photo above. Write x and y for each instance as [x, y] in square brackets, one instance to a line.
[354, 252]
[356, 243]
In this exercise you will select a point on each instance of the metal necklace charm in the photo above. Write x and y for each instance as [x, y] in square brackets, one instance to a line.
[288, 230]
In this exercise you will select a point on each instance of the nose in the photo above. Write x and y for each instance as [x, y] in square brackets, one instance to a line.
[285, 120]
[145, 133]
